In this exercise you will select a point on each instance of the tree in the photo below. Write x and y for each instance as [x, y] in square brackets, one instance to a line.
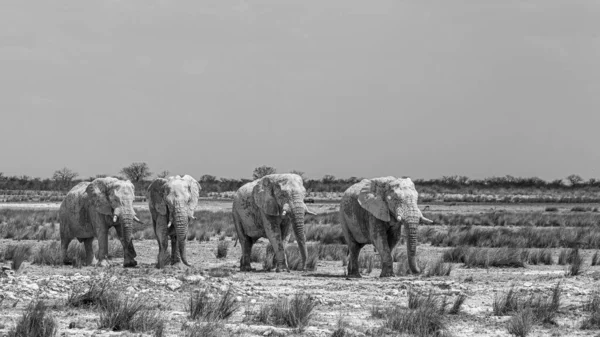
[136, 172]
[328, 179]
[574, 179]
[262, 171]
[208, 178]
[64, 177]
[300, 173]
[163, 174]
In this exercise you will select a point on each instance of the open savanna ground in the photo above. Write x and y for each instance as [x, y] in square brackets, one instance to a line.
[488, 269]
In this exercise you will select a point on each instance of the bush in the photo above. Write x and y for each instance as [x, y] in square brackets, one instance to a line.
[21, 254]
[424, 316]
[505, 303]
[222, 248]
[209, 329]
[295, 312]
[521, 324]
[35, 321]
[543, 309]
[595, 259]
[592, 306]
[551, 209]
[95, 294]
[126, 313]
[202, 305]
[494, 257]
[575, 268]
[458, 302]
[439, 268]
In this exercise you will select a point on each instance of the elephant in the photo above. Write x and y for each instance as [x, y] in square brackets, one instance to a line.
[172, 202]
[266, 207]
[372, 211]
[90, 209]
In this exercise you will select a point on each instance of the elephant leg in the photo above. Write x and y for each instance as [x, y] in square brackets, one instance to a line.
[64, 242]
[394, 236]
[246, 243]
[128, 250]
[101, 229]
[285, 234]
[161, 233]
[90, 258]
[380, 241]
[274, 235]
[353, 252]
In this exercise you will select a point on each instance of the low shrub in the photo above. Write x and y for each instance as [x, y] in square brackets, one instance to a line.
[222, 248]
[439, 268]
[203, 305]
[35, 321]
[295, 312]
[576, 266]
[521, 324]
[457, 304]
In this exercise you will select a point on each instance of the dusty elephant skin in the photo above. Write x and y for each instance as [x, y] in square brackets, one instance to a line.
[172, 202]
[372, 211]
[267, 207]
[90, 209]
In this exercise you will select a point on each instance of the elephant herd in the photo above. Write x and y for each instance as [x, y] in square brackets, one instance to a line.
[371, 212]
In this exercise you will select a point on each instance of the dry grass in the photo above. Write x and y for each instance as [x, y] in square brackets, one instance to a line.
[592, 322]
[95, 294]
[439, 268]
[222, 248]
[295, 312]
[203, 305]
[543, 309]
[576, 266]
[521, 323]
[126, 313]
[35, 321]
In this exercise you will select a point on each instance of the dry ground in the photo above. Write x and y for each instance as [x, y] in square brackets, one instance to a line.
[169, 290]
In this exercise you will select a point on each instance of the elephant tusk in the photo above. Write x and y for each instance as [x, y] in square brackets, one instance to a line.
[425, 220]
[310, 212]
[193, 217]
[399, 218]
[136, 219]
[283, 213]
[169, 224]
[115, 218]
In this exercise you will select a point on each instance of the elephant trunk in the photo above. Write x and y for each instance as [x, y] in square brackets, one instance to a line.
[411, 224]
[126, 218]
[298, 209]
[181, 222]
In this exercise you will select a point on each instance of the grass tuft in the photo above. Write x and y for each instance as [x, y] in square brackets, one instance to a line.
[222, 248]
[295, 312]
[458, 302]
[203, 305]
[521, 324]
[576, 266]
[439, 268]
[36, 321]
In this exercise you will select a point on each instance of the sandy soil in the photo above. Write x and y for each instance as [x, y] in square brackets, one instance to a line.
[337, 295]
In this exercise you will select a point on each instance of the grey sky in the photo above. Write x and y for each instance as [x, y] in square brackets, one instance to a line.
[344, 87]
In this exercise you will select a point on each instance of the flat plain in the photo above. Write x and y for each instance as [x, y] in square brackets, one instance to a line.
[342, 306]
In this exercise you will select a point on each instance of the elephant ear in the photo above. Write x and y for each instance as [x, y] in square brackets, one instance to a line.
[264, 198]
[195, 189]
[97, 192]
[370, 200]
[155, 195]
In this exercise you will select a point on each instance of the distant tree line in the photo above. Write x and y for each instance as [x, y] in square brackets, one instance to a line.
[140, 175]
